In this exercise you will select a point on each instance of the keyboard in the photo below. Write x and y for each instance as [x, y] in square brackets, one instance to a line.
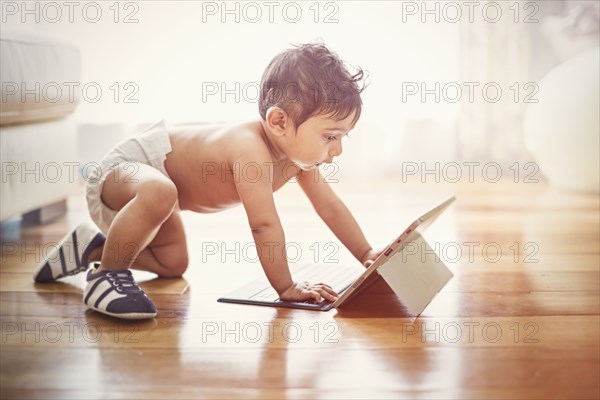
[336, 276]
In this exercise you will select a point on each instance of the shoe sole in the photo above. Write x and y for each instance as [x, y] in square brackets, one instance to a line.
[125, 315]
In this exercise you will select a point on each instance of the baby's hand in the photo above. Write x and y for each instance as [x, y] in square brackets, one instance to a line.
[305, 291]
[370, 257]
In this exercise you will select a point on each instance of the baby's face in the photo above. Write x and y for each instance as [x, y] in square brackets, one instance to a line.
[317, 140]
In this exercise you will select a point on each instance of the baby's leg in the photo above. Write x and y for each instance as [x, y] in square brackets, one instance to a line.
[167, 254]
[146, 233]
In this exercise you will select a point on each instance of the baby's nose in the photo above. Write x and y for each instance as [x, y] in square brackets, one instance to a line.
[336, 151]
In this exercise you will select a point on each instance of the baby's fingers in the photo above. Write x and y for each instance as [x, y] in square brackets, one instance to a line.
[328, 290]
[314, 294]
[326, 294]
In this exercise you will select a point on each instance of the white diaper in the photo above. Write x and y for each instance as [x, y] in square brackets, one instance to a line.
[150, 147]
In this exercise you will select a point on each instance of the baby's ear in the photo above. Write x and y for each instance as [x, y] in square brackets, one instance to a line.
[277, 120]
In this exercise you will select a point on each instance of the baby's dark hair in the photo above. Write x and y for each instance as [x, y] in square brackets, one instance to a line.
[310, 80]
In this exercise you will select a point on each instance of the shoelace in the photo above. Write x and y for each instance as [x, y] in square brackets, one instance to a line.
[124, 281]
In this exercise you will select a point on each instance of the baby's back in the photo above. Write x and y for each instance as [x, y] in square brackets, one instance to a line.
[203, 163]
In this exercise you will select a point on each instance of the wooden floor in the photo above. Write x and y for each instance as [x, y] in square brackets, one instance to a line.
[522, 323]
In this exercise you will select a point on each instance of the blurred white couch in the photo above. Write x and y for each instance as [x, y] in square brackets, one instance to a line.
[38, 136]
[561, 130]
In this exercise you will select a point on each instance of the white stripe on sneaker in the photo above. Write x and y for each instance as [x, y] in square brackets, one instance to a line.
[113, 295]
[98, 290]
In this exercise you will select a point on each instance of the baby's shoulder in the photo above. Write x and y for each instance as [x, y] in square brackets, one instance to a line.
[245, 141]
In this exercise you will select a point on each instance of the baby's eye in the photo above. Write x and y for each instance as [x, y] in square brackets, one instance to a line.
[330, 138]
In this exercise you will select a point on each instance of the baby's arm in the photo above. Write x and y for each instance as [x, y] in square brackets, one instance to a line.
[257, 197]
[337, 216]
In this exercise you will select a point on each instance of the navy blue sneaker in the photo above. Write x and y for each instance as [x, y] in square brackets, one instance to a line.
[71, 255]
[115, 293]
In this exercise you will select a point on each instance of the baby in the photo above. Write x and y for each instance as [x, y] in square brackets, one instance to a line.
[308, 104]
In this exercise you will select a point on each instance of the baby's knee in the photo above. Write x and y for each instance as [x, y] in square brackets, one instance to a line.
[160, 195]
[177, 268]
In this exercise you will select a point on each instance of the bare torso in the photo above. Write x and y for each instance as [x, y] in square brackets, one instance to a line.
[203, 164]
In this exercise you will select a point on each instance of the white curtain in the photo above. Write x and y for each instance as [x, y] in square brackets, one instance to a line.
[495, 63]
